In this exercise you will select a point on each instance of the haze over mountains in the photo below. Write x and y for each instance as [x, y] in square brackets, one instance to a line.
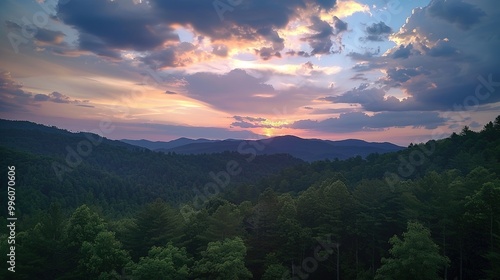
[305, 149]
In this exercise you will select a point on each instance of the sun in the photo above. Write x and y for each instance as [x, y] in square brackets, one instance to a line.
[268, 132]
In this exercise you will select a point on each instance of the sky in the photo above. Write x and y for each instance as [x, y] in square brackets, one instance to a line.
[378, 70]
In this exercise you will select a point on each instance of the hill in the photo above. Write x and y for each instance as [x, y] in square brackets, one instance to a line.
[305, 149]
[156, 145]
[75, 168]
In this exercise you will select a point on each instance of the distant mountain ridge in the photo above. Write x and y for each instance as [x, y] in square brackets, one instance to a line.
[305, 149]
[156, 145]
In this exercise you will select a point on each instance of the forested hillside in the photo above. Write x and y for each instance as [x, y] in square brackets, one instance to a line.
[430, 211]
[72, 169]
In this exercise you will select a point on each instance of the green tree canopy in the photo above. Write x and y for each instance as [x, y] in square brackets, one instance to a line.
[223, 260]
[414, 257]
[167, 262]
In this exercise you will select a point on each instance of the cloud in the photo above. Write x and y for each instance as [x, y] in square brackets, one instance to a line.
[161, 130]
[105, 27]
[377, 31]
[108, 27]
[358, 121]
[239, 92]
[178, 55]
[220, 50]
[402, 51]
[45, 36]
[253, 122]
[362, 95]
[321, 42]
[443, 48]
[252, 119]
[358, 77]
[366, 56]
[439, 65]
[461, 13]
[376, 99]
[13, 95]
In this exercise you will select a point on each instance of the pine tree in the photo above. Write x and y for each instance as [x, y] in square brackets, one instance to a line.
[414, 257]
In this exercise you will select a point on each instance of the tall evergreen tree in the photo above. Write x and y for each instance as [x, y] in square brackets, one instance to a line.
[414, 257]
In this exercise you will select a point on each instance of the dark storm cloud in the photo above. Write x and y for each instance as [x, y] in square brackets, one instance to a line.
[443, 48]
[463, 14]
[358, 121]
[442, 65]
[377, 31]
[240, 21]
[105, 26]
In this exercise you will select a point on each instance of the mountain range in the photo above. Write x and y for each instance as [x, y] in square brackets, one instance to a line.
[305, 149]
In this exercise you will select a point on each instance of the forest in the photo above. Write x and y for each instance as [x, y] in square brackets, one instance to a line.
[430, 211]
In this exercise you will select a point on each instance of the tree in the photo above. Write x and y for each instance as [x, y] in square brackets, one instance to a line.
[482, 211]
[225, 222]
[103, 257]
[416, 256]
[292, 237]
[155, 225]
[274, 271]
[84, 225]
[167, 262]
[223, 260]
